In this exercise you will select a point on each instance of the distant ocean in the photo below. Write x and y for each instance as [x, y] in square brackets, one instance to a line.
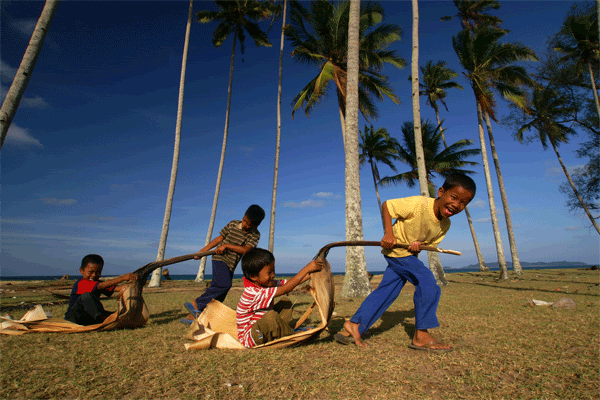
[239, 276]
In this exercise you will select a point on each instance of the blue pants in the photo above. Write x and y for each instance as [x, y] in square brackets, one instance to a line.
[400, 270]
[219, 286]
[87, 310]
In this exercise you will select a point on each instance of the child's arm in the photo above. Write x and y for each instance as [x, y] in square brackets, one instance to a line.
[213, 243]
[116, 281]
[233, 247]
[389, 240]
[300, 277]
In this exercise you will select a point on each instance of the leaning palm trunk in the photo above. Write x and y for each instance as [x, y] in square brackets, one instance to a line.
[155, 280]
[511, 235]
[572, 184]
[490, 191]
[594, 87]
[356, 280]
[278, 140]
[482, 266]
[201, 268]
[19, 84]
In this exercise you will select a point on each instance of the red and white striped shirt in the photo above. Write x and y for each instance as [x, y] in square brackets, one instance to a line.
[255, 302]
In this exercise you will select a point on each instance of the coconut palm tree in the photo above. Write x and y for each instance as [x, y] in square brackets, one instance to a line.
[578, 41]
[320, 36]
[278, 138]
[473, 13]
[488, 66]
[551, 116]
[156, 274]
[377, 146]
[438, 161]
[437, 78]
[237, 18]
[356, 279]
[19, 84]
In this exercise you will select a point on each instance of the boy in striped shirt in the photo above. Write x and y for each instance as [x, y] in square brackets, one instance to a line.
[234, 240]
[258, 320]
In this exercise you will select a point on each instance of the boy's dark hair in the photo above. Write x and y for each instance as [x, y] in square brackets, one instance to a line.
[255, 214]
[92, 259]
[255, 260]
[459, 180]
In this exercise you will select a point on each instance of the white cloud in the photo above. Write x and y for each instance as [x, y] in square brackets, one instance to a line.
[21, 137]
[24, 26]
[8, 74]
[323, 195]
[58, 202]
[572, 228]
[34, 102]
[477, 203]
[486, 220]
[305, 204]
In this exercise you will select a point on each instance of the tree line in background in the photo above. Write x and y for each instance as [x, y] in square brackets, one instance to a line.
[348, 44]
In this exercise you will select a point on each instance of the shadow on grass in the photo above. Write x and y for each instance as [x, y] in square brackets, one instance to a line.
[389, 320]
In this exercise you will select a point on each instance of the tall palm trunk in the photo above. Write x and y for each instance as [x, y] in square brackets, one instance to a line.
[200, 275]
[155, 280]
[19, 84]
[482, 266]
[278, 140]
[490, 191]
[434, 260]
[511, 235]
[587, 211]
[356, 280]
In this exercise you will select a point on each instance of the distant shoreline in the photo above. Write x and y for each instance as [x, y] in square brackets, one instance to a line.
[183, 277]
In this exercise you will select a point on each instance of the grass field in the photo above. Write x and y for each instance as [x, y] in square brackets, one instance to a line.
[504, 349]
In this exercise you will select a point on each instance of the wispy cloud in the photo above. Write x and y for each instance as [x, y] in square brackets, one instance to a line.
[34, 102]
[318, 202]
[573, 228]
[24, 26]
[58, 202]
[20, 137]
[7, 73]
[310, 203]
[486, 220]
[477, 203]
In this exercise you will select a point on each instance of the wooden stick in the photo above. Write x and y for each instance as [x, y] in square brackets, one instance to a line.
[326, 249]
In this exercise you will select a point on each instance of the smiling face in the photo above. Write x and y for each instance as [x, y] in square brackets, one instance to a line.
[91, 272]
[452, 201]
[266, 276]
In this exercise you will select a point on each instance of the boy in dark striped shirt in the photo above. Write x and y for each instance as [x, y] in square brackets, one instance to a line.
[234, 240]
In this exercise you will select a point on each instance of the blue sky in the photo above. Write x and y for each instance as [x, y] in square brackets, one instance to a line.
[86, 164]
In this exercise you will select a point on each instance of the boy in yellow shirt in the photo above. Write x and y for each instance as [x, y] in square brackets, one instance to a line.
[419, 221]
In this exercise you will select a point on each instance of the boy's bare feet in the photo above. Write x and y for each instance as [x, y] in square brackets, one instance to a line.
[424, 341]
[352, 329]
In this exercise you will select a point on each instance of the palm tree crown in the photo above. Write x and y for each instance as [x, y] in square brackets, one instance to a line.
[378, 146]
[437, 78]
[488, 65]
[438, 161]
[473, 13]
[326, 46]
[238, 17]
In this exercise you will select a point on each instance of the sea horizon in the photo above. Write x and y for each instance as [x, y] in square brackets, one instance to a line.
[184, 277]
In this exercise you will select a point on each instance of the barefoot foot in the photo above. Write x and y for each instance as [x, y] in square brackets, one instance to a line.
[352, 329]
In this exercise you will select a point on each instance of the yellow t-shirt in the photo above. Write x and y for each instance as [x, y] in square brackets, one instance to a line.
[415, 221]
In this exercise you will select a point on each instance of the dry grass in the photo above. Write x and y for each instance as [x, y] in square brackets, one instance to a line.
[503, 350]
